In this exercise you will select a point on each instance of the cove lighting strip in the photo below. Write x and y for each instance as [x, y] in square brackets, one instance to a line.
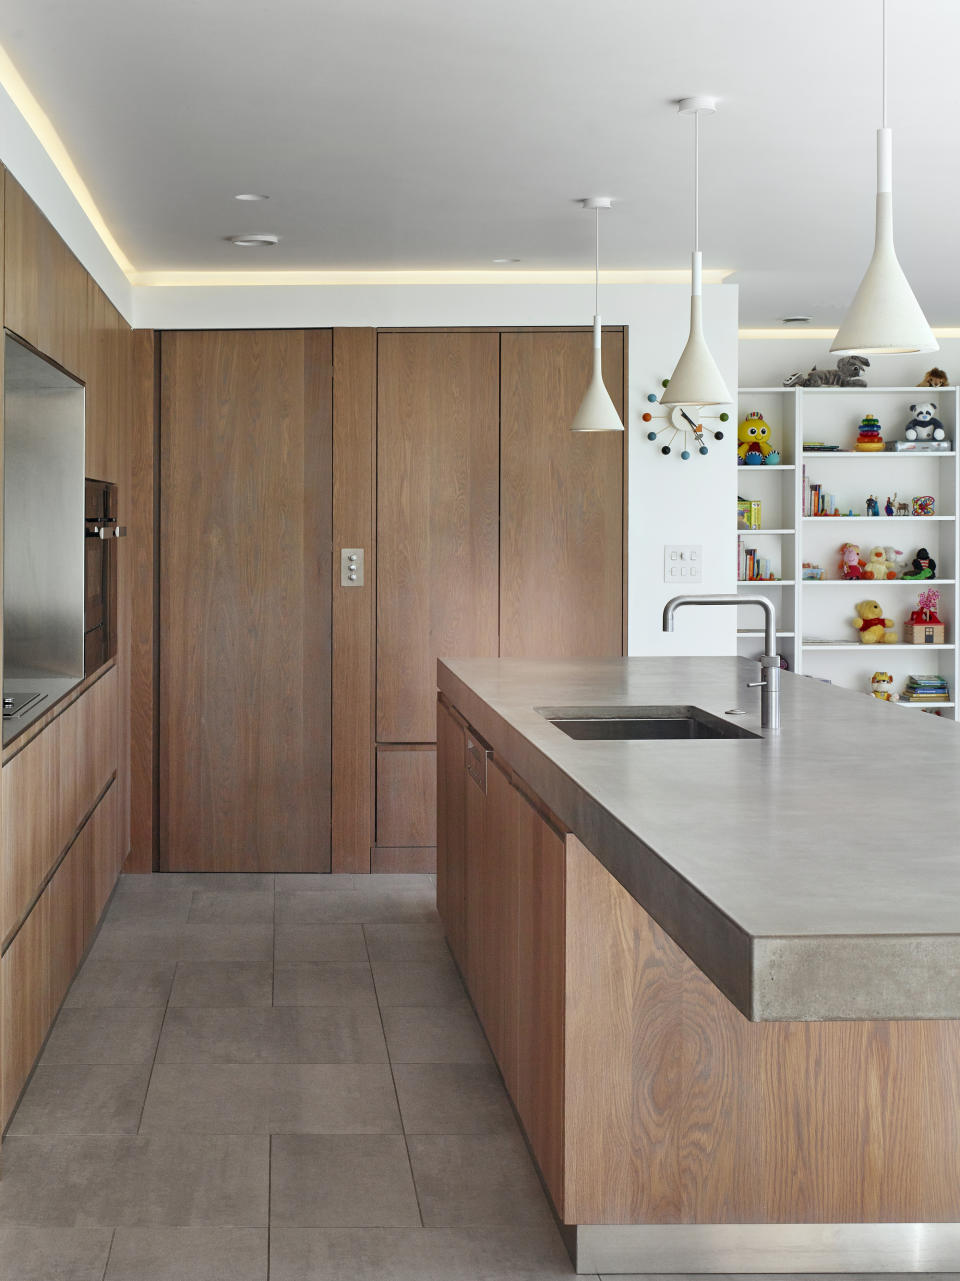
[52, 143]
[789, 333]
[256, 278]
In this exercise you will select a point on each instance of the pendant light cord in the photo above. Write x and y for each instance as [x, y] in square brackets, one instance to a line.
[596, 277]
[883, 62]
[696, 182]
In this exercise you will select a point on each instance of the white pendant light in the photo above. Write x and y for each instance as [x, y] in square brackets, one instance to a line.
[597, 411]
[884, 315]
[696, 379]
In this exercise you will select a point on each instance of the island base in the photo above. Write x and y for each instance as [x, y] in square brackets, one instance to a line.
[764, 1247]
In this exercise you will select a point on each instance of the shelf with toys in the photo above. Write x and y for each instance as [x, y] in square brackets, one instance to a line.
[807, 490]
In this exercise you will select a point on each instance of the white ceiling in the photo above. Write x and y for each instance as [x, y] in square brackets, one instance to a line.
[399, 134]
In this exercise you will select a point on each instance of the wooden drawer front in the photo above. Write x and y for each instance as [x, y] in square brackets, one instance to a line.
[38, 966]
[406, 796]
[48, 789]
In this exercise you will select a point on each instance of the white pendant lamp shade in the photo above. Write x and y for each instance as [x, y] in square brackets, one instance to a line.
[597, 411]
[884, 315]
[696, 379]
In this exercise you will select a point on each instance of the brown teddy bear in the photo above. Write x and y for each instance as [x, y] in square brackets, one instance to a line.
[873, 627]
[934, 378]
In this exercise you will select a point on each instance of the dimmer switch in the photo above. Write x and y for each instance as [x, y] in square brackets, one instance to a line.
[351, 567]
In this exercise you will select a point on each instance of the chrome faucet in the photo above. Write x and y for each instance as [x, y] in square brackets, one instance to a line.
[769, 686]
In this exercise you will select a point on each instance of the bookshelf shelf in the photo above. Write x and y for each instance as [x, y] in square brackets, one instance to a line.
[833, 415]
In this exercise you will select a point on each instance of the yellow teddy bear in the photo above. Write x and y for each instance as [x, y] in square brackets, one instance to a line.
[873, 627]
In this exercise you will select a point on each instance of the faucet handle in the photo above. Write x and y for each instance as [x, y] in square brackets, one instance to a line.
[755, 684]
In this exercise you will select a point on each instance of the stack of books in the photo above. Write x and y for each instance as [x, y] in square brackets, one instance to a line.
[925, 689]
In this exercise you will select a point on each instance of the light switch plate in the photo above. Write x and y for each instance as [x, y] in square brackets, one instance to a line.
[351, 567]
[683, 563]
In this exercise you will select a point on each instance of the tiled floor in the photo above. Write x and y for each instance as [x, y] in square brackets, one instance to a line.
[260, 1077]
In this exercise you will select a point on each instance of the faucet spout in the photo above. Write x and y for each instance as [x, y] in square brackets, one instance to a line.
[769, 660]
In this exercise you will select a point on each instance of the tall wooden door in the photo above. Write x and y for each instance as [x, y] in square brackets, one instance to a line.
[245, 590]
[561, 500]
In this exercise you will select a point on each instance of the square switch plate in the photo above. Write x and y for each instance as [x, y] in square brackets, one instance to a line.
[683, 563]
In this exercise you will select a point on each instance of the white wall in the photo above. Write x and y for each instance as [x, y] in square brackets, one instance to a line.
[670, 501]
[21, 152]
[765, 362]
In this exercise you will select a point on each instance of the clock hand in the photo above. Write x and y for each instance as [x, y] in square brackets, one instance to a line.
[694, 425]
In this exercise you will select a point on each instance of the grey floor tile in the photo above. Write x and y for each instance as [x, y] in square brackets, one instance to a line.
[225, 907]
[111, 1034]
[179, 1180]
[404, 882]
[53, 1254]
[289, 881]
[320, 1098]
[418, 982]
[452, 1098]
[311, 944]
[78, 1098]
[188, 1254]
[287, 1035]
[341, 1180]
[223, 983]
[137, 941]
[435, 1034]
[358, 906]
[237, 882]
[406, 942]
[154, 904]
[476, 1180]
[227, 942]
[326, 984]
[410, 1254]
[103, 983]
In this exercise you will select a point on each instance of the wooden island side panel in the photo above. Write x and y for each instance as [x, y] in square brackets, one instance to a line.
[680, 1110]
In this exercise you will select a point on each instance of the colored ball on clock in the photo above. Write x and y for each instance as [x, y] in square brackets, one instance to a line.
[646, 417]
[685, 453]
[704, 449]
[665, 383]
[724, 418]
[651, 435]
[665, 449]
[718, 435]
[652, 399]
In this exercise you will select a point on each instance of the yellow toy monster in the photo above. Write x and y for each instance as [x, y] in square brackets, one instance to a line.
[754, 436]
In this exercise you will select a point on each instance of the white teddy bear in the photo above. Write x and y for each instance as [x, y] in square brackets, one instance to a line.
[923, 425]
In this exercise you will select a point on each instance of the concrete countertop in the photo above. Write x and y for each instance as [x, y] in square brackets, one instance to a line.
[811, 875]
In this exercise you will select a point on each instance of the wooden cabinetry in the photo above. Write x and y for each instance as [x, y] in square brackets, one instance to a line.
[500, 892]
[499, 531]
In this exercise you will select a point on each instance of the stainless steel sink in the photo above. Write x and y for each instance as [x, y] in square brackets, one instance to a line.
[668, 722]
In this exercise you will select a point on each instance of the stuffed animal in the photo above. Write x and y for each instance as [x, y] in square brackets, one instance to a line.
[924, 566]
[895, 558]
[878, 566]
[934, 378]
[873, 627]
[846, 374]
[881, 686]
[851, 565]
[923, 425]
[754, 435]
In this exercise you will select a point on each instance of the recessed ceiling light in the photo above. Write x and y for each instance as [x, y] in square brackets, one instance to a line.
[254, 240]
[796, 320]
[250, 195]
[503, 260]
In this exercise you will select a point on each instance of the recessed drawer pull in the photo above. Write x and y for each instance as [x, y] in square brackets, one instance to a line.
[476, 756]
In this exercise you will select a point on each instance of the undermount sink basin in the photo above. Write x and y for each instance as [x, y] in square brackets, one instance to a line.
[641, 722]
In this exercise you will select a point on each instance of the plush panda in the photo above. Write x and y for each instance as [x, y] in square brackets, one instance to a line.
[923, 425]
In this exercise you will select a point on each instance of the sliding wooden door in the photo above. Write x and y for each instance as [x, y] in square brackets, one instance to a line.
[245, 593]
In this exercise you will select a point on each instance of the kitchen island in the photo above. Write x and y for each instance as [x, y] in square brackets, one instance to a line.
[719, 975]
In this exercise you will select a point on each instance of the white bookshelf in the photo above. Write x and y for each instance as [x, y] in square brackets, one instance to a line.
[815, 631]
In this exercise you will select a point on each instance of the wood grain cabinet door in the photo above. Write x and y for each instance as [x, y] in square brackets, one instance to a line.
[561, 501]
[245, 555]
[437, 517]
